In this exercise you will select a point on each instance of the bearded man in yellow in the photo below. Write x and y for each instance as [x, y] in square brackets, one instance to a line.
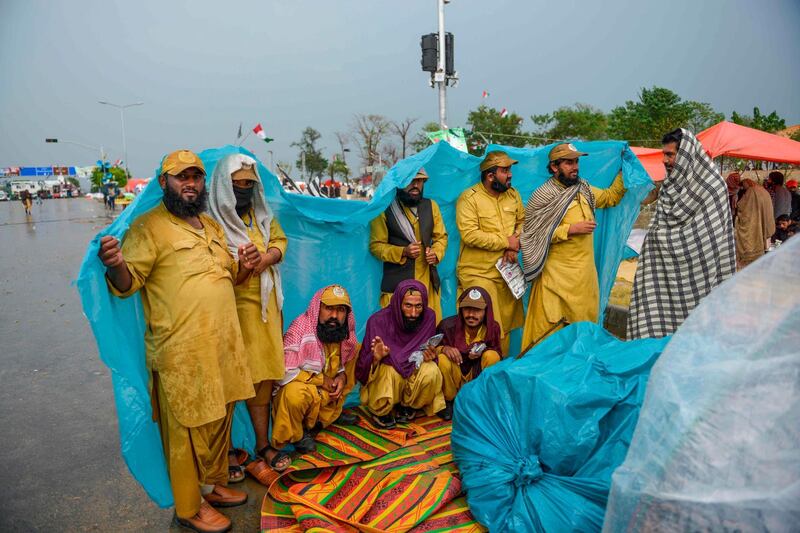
[177, 258]
[238, 203]
[320, 351]
[558, 246]
[410, 239]
[489, 217]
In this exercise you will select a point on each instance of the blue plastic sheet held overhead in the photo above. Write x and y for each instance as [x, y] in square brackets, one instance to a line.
[536, 439]
[328, 243]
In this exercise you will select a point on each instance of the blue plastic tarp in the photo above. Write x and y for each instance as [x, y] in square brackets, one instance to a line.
[537, 439]
[328, 243]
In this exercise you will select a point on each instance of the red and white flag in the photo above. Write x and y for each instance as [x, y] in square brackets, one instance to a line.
[485, 94]
[258, 130]
[503, 113]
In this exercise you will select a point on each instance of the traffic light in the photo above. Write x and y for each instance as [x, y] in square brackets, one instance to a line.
[51, 140]
[430, 52]
[448, 56]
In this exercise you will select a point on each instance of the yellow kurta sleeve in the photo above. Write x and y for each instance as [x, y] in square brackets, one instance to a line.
[439, 237]
[277, 238]
[379, 242]
[471, 232]
[561, 233]
[139, 252]
[611, 196]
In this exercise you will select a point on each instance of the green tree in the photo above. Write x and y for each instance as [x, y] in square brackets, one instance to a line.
[315, 162]
[420, 140]
[645, 121]
[117, 175]
[487, 125]
[580, 121]
[769, 123]
[795, 136]
[703, 116]
[338, 168]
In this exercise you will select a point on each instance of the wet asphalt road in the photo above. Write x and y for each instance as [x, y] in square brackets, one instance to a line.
[60, 461]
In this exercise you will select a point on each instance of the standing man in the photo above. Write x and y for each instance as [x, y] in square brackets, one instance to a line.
[489, 217]
[558, 245]
[781, 197]
[792, 186]
[753, 224]
[320, 354]
[392, 369]
[237, 202]
[176, 256]
[410, 239]
[689, 247]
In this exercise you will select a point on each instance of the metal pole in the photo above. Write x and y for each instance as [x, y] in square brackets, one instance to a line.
[441, 75]
[124, 142]
[271, 163]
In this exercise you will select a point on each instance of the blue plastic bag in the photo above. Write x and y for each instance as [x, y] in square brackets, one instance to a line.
[329, 243]
[536, 439]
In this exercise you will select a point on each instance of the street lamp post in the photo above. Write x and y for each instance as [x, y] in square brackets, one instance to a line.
[271, 161]
[122, 121]
[89, 146]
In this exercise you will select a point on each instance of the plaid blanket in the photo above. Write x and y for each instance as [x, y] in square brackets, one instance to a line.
[689, 247]
[544, 212]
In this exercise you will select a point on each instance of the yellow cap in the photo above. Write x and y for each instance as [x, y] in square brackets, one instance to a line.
[335, 295]
[565, 151]
[421, 174]
[246, 173]
[498, 158]
[180, 160]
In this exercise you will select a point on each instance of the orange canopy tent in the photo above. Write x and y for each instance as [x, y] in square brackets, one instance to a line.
[727, 138]
[652, 160]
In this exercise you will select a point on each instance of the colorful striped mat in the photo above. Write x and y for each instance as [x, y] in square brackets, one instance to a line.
[362, 478]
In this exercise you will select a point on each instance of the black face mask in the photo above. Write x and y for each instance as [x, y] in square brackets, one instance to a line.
[244, 197]
[182, 209]
[408, 200]
[499, 187]
[332, 330]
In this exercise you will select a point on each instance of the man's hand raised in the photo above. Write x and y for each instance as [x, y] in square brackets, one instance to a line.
[110, 253]
[379, 350]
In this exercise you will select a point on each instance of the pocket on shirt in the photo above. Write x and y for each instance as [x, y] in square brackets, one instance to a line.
[191, 259]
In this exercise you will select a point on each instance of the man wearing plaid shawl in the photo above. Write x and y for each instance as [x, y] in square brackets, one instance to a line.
[689, 248]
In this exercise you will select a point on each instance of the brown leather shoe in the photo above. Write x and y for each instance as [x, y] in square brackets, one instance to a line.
[207, 520]
[225, 497]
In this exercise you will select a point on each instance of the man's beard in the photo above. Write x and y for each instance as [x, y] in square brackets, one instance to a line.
[499, 187]
[181, 208]
[411, 324]
[567, 182]
[332, 331]
[407, 199]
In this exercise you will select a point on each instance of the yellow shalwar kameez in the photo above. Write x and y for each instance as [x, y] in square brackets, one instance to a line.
[388, 253]
[386, 388]
[302, 402]
[485, 223]
[263, 341]
[567, 286]
[193, 344]
[452, 378]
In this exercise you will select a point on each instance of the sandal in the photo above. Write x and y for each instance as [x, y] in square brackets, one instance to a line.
[236, 472]
[279, 457]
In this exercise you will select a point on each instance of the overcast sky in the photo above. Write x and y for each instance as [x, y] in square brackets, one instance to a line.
[202, 67]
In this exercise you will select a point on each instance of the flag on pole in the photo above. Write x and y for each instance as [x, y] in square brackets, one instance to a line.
[503, 113]
[239, 136]
[258, 130]
[485, 94]
[118, 163]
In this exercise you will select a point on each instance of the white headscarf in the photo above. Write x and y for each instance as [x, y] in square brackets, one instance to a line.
[222, 205]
